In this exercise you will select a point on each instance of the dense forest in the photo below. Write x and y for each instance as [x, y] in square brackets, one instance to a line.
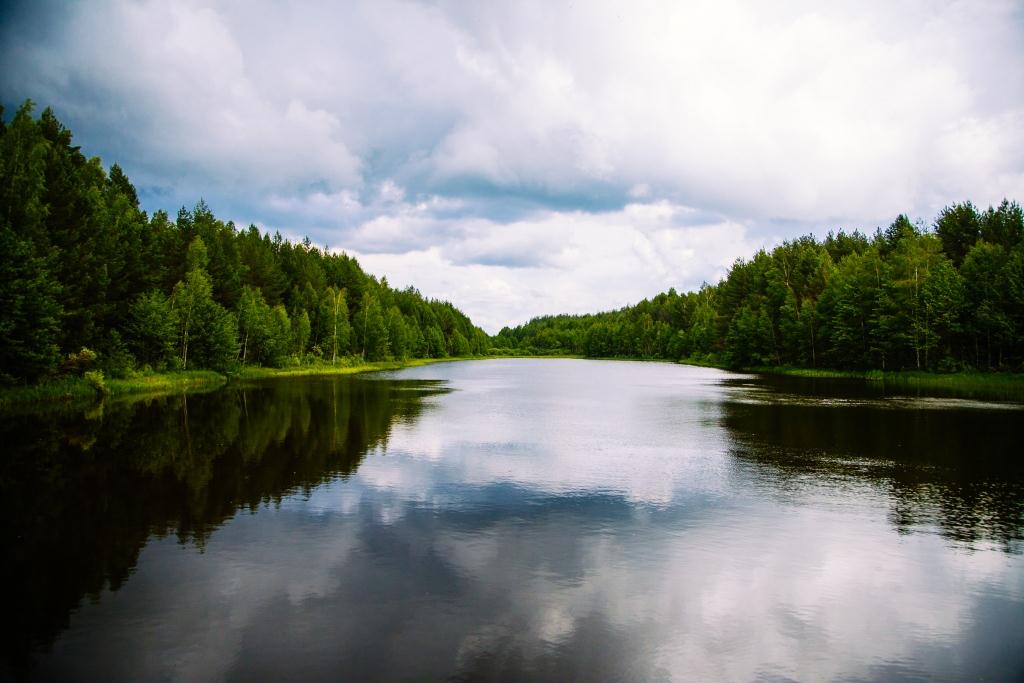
[88, 279]
[944, 297]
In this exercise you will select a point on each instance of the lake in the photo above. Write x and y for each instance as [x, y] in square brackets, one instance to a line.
[518, 520]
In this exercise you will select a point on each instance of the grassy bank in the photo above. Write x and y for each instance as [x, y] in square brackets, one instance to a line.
[951, 379]
[997, 385]
[326, 369]
[81, 390]
[166, 383]
[78, 389]
[74, 388]
[1000, 382]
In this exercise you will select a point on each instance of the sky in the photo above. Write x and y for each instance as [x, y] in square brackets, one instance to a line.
[529, 158]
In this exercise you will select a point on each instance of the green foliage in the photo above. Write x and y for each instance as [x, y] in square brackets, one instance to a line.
[279, 335]
[1003, 225]
[959, 227]
[460, 345]
[371, 329]
[750, 338]
[906, 299]
[435, 343]
[95, 379]
[82, 264]
[79, 362]
[206, 329]
[115, 358]
[300, 333]
[253, 314]
[151, 331]
[986, 287]
[398, 335]
[30, 318]
[334, 331]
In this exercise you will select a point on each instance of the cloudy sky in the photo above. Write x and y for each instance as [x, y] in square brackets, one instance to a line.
[529, 158]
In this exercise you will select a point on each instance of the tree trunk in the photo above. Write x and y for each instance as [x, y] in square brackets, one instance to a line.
[334, 341]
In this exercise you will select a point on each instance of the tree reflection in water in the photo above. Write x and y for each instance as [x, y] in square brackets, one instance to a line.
[955, 468]
[83, 492]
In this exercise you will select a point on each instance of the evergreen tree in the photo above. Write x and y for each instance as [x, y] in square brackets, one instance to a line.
[152, 329]
[959, 227]
[372, 329]
[30, 322]
[300, 333]
[988, 324]
[397, 334]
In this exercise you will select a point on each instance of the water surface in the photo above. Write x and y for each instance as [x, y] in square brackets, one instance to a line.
[518, 520]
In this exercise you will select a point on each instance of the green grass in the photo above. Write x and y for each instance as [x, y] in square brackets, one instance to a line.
[341, 368]
[938, 379]
[526, 353]
[992, 385]
[819, 373]
[64, 389]
[704, 362]
[959, 381]
[77, 390]
[166, 382]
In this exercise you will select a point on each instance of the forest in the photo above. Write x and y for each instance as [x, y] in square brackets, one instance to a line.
[945, 297]
[89, 280]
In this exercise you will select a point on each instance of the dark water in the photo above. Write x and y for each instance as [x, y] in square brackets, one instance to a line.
[518, 520]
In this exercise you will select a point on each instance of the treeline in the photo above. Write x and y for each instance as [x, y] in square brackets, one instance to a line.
[88, 278]
[941, 298]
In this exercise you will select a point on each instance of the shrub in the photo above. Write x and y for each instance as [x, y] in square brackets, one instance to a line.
[78, 363]
[96, 381]
[115, 360]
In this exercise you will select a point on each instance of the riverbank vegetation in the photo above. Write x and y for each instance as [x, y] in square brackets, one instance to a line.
[98, 297]
[942, 298]
[93, 385]
[89, 283]
[967, 383]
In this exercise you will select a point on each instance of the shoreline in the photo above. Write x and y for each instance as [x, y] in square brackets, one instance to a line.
[77, 390]
[962, 381]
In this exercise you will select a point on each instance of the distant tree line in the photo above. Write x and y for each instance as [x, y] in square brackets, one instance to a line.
[87, 277]
[941, 298]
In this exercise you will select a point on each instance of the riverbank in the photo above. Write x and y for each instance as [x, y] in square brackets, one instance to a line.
[81, 389]
[327, 370]
[998, 384]
[931, 380]
[987, 384]
[74, 389]
[69, 390]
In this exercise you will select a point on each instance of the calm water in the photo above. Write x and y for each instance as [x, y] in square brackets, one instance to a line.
[518, 520]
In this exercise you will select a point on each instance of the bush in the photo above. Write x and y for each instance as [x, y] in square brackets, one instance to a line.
[78, 363]
[95, 379]
[116, 361]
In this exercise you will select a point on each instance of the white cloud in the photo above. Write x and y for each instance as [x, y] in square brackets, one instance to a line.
[558, 262]
[395, 129]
